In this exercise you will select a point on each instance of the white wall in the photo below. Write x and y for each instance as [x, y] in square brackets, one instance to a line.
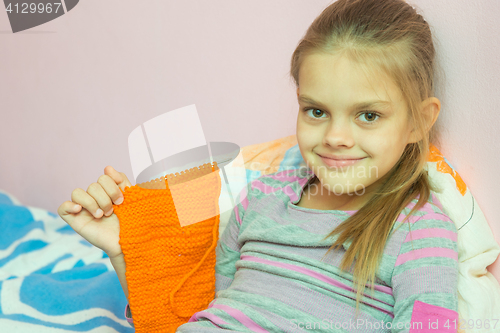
[72, 90]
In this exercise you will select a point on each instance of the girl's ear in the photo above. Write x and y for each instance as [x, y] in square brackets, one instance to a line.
[431, 107]
[430, 111]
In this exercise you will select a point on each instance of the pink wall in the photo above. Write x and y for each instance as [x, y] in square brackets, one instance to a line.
[72, 90]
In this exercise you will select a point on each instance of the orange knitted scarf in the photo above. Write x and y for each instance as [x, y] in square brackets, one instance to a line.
[169, 228]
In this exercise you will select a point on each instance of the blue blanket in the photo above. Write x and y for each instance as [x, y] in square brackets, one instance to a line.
[51, 279]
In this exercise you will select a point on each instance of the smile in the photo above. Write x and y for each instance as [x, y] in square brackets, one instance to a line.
[339, 163]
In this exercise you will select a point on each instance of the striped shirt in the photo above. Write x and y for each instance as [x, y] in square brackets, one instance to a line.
[272, 274]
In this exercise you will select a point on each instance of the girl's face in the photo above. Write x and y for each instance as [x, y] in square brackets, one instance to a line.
[362, 123]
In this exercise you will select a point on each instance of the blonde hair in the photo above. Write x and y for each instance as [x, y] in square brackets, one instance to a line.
[388, 36]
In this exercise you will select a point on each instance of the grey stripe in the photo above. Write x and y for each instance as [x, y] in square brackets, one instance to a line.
[304, 299]
[230, 235]
[279, 321]
[327, 325]
[393, 245]
[222, 282]
[332, 260]
[424, 280]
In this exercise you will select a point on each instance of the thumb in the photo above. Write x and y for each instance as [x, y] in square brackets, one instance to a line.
[119, 177]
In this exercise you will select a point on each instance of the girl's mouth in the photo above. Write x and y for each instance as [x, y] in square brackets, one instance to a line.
[339, 163]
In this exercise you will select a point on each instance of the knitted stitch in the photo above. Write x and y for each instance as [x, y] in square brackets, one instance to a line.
[164, 244]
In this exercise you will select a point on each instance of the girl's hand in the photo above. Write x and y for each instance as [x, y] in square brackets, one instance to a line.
[91, 215]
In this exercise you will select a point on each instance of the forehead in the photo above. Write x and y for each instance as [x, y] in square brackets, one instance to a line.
[325, 76]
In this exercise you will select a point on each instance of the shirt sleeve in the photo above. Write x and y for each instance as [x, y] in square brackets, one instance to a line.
[128, 315]
[424, 278]
[228, 248]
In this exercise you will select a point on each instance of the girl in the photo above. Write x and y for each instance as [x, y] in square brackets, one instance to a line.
[302, 246]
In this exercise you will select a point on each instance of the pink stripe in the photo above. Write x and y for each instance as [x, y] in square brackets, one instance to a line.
[242, 318]
[431, 252]
[428, 216]
[244, 203]
[428, 318]
[203, 314]
[431, 233]
[425, 208]
[437, 216]
[294, 196]
[320, 277]
[412, 219]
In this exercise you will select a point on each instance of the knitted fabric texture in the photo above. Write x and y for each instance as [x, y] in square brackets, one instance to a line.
[161, 255]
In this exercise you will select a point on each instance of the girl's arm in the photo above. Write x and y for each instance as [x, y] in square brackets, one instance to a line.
[228, 248]
[424, 278]
[118, 263]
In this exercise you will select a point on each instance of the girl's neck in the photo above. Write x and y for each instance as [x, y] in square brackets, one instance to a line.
[331, 201]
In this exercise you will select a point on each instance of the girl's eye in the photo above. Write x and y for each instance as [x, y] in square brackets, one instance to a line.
[315, 113]
[370, 117]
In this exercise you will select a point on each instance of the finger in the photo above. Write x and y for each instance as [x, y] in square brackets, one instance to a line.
[103, 200]
[119, 177]
[68, 208]
[87, 201]
[75, 218]
[113, 192]
[67, 212]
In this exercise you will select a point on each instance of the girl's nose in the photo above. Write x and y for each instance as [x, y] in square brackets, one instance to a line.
[339, 134]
